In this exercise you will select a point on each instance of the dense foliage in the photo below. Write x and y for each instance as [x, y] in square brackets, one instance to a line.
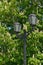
[11, 47]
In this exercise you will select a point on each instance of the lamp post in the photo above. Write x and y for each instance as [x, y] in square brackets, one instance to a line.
[18, 26]
[24, 47]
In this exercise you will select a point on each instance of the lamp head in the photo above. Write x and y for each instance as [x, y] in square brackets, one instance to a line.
[32, 19]
[17, 27]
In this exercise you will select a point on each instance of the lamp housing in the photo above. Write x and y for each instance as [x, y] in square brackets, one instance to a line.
[32, 19]
[17, 27]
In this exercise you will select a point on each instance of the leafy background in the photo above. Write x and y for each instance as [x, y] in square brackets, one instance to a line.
[11, 48]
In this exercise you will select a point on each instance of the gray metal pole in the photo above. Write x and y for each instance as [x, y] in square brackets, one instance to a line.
[24, 47]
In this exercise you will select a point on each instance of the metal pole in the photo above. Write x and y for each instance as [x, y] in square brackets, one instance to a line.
[24, 47]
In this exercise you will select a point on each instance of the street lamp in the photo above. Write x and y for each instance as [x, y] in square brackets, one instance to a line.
[18, 27]
[32, 21]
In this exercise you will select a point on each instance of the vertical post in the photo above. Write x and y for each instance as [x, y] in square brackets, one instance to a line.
[24, 47]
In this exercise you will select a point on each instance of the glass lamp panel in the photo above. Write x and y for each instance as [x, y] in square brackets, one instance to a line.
[33, 20]
[30, 19]
[17, 27]
[14, 28]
